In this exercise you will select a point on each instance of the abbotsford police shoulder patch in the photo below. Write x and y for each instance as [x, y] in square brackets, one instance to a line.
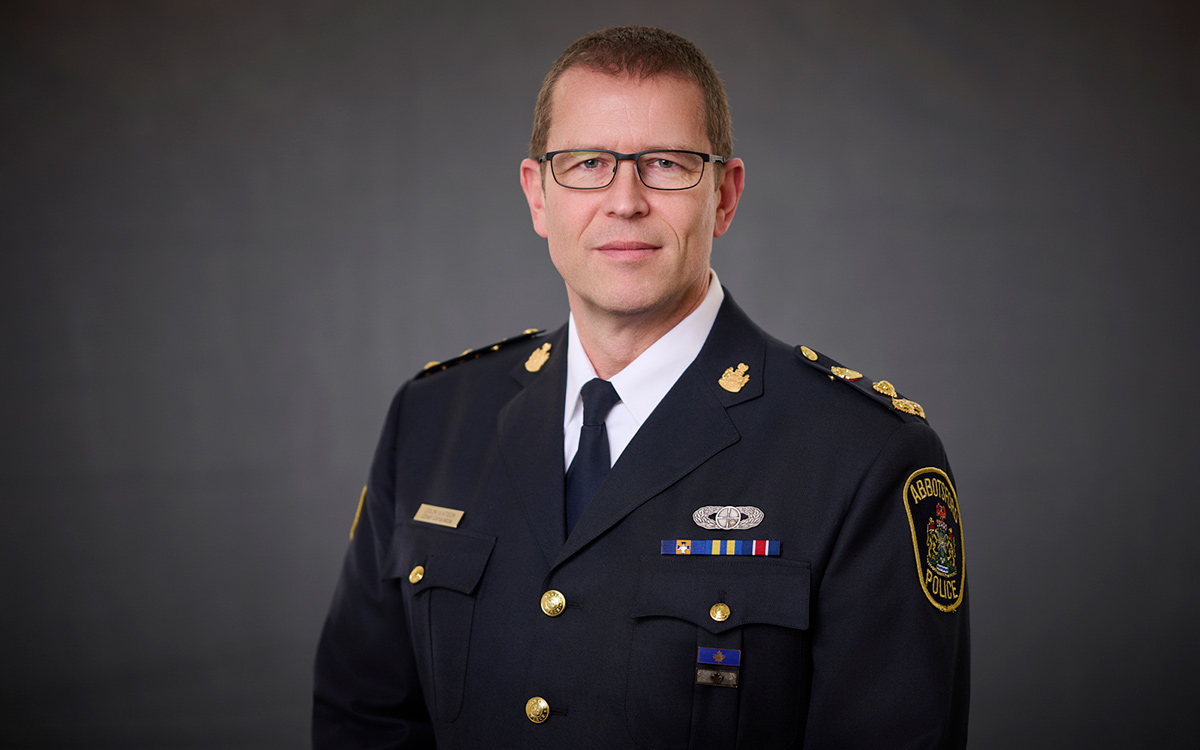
[933, 517]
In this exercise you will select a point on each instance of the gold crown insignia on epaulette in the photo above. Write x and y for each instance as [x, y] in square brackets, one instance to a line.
[436, 366]
[879, 390]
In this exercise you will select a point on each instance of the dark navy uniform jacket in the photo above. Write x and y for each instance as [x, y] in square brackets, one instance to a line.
[840, 643]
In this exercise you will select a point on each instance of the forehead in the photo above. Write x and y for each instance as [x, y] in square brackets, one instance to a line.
[592, 108]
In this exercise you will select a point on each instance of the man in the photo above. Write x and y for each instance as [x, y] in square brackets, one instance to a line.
[774, 559]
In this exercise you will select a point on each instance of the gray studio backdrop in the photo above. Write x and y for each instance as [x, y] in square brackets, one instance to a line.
[230, 230]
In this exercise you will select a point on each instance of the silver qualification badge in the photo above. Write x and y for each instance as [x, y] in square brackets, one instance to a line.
[728, 517]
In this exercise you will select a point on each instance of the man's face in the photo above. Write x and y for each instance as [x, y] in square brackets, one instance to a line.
[628, 250]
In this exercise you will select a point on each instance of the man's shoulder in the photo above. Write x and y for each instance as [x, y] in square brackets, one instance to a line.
[801, 378]
[881, 392]
[842, 387]
[508, 346]
[480, 380]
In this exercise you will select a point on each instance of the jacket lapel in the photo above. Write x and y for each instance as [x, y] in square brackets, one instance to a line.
[689, 426]
[531, 441]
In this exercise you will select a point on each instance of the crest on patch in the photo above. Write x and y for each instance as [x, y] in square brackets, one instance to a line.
[933, 518]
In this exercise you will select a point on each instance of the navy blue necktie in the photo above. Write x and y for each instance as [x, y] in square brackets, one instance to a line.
[591, 462]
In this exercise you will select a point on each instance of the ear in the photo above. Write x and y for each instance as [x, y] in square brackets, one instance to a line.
[531, 183]
[729, 192]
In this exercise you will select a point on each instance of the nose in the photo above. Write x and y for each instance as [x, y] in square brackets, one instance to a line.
[626, 196]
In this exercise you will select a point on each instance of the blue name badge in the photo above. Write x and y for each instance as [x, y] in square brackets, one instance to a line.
[721, 657]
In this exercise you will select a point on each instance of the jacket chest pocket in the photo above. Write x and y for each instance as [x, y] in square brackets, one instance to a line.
[439, 570]
[693, 618]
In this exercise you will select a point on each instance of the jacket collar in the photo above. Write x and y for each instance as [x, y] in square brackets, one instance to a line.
[689, 427]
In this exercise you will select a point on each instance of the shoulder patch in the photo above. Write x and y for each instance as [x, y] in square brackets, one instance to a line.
[932, 508]
[877, 390]
[469, 354]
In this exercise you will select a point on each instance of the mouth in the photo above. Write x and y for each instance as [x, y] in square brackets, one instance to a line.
[627, 248]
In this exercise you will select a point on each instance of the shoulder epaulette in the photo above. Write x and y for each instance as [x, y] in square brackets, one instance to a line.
[878, 390]
[469, 354]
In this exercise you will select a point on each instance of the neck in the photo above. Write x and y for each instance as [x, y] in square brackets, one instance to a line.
[611, 341]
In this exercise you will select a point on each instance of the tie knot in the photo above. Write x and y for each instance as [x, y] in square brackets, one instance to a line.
[599, 397]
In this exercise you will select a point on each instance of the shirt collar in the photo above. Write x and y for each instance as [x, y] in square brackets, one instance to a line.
[645, 380]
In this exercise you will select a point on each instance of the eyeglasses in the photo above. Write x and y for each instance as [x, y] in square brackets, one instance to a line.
[595, 169]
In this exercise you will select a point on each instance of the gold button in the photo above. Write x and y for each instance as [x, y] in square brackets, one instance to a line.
[809, 354]
[537, 709]
[553, 603]
[719, 612]
[417, 574]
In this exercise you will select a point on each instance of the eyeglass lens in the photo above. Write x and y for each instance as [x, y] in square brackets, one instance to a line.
[664, 170]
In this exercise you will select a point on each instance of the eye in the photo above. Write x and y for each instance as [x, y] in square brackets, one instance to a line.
[664, 162]
[585, 160]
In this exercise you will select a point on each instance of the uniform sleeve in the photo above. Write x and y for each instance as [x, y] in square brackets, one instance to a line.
[891, 653]
[366, 689]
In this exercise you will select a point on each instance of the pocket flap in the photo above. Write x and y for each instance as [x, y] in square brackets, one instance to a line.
[758, 591]
[450, 558]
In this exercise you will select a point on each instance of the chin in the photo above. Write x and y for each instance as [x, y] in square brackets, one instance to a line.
[631, 302]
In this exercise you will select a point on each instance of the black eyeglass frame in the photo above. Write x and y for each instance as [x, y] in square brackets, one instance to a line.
[704, 159]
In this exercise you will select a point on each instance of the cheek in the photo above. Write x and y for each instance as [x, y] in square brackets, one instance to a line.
[565, 229]
[562, 246]
[697, 226]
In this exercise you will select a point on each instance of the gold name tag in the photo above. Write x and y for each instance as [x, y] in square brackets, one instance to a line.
[439, 515]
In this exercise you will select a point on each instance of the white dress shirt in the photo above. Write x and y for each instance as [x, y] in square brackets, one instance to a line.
[643, 382]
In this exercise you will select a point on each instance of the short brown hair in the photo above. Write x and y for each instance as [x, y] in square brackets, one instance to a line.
[644, 52]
